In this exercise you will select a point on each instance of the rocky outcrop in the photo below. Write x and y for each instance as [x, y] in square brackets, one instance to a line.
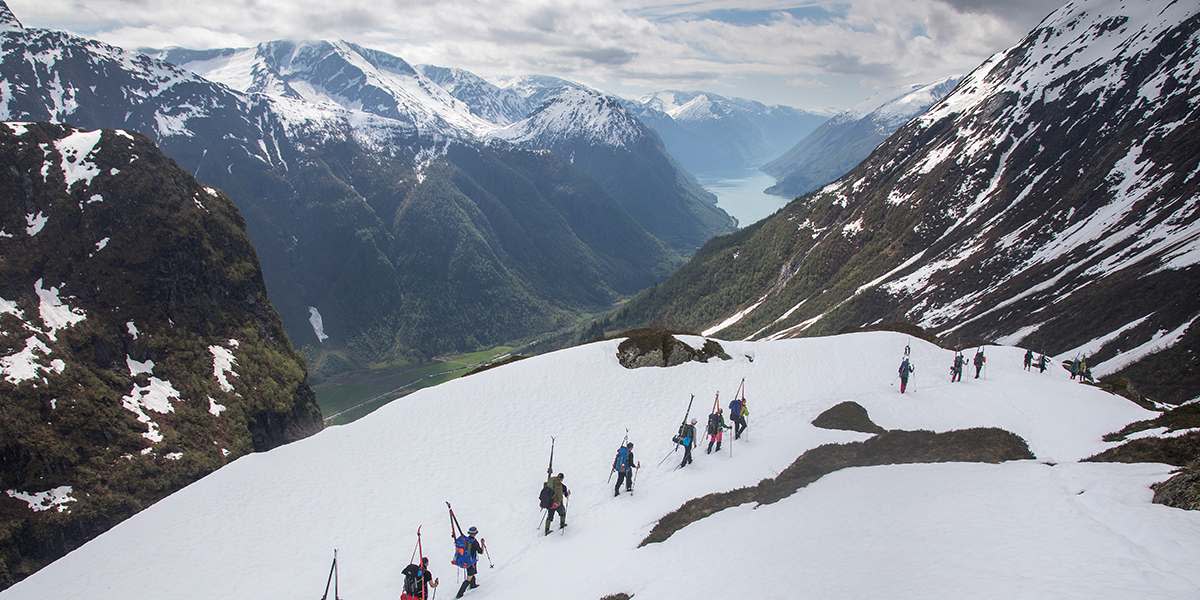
[1182, 490]
[658, 348]
[985, 444]
[138, 350]
[847, 416]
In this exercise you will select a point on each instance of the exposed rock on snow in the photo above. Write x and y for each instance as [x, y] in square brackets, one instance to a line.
[848, 416]
[888, 448]
[1182, 490]
[657, 348]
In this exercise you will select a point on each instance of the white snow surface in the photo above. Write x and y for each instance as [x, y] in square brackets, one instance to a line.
[318, 324]
[223, 362]
[56, 499]
[56, 315]
[263, 526]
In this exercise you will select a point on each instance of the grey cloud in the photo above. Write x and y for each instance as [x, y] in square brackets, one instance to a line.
[849, 64]
[603, 56]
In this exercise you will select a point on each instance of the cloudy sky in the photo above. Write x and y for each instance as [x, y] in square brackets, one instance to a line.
[808, 54]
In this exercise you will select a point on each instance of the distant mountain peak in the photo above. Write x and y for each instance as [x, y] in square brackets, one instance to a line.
[576, 113]
[8, 20]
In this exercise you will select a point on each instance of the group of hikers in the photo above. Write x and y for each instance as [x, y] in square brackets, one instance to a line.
[419, 582]
[1078, 367]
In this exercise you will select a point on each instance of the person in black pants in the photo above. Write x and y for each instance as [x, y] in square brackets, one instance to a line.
[623, 464]
[687, 437]
[473, 549]
[737, 413]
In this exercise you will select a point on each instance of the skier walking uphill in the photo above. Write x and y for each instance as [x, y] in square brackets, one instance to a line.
[1028, 359]
[1042, 362]
[906, 369]
[979, 361]
[558, 495]
[687, 437]
[466, 555]
[716, 430]
[417, 580]
[624, 464]
[956, 369]
[739, 410]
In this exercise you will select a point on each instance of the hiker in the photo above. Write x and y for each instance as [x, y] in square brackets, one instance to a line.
[1074, 367]
[687, 437]
[1084, 375]
[558, 496]
[716, 430]
[417, 580]
[738, 411]
[957, 368]
[467, 550]
[1028, 359]
[979, 361]
[906, 369]
[624, 465]
[1042, 362]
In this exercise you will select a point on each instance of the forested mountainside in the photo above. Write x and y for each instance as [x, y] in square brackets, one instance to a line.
[1049, 201]
[138, 349]
[840, 143]
[346, 203]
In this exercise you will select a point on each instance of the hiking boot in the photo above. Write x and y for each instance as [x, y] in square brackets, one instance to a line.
[547, 531]
[718, 447]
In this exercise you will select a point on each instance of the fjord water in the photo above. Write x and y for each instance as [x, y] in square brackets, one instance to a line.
[741, 195]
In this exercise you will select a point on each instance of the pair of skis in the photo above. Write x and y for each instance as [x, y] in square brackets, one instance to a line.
[675, 448]
[454, 524]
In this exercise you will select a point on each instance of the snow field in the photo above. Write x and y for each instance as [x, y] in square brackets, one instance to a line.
[264, 526]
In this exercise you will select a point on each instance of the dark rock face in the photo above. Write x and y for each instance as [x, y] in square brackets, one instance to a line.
[848, 416]
[657, 348]
[984, 444]
[1049, 201]
[138, 350]
[1182, 490]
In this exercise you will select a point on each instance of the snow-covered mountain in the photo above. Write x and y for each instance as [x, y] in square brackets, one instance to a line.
[138, 350]
[1051, 199]
[599, 136]
[839, 144]
[708, 133]
[338, 73]
[375, 199]
[1044, 527]
[498, 105]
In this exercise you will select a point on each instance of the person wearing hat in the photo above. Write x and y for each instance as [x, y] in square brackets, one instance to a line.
[687, 437]
[624, 464]
[558, 500]
[472, 549]
[417, 580]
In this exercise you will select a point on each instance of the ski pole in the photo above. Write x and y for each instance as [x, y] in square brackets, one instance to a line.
[483, 542]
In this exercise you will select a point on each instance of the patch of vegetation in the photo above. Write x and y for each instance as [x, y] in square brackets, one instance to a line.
[892, 447]
[1182, 490]
[1178, 450]
[1181, 417]
[848, 416]
[347, 397]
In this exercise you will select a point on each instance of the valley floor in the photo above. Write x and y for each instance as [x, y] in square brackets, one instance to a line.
[264, 526]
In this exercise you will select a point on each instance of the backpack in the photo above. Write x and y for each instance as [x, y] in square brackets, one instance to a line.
[413, 582]
[462, 552]
[714, 424]
[546, 497]
[622, 458]
[735, 408]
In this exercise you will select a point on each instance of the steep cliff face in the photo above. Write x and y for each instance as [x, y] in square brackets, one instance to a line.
[1049, 201]
[138, 350]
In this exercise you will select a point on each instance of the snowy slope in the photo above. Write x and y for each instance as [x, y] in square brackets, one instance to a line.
[1018, 529]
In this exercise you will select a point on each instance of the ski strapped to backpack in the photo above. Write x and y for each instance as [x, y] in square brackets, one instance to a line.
[678, 439]
[462, 543]
[620, 449]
